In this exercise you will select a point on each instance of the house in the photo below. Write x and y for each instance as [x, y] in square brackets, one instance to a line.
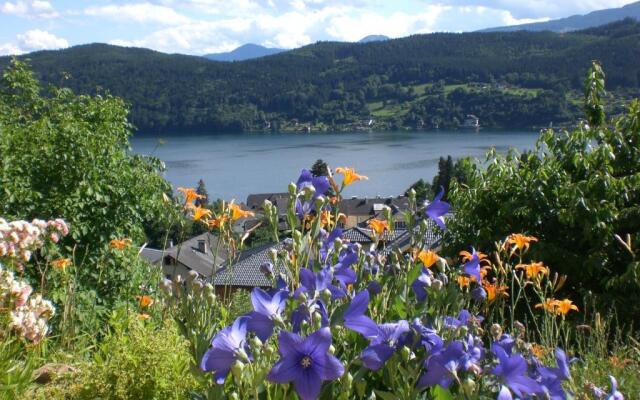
[196, 254]
[356, 210]
[279, 200]
[359, 210]
[246, 272]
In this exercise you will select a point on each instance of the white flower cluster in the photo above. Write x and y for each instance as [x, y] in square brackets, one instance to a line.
[29, 314]
[19, 238]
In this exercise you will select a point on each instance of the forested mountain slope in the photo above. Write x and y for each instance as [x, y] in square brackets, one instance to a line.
[511, 79]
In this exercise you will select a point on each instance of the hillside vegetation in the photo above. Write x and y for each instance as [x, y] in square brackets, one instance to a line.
[510, 80]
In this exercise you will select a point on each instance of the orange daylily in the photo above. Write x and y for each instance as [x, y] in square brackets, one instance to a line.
[464, 281]
[466, 256]
[520, 241]
[378, 226]
[200, 213]
[237, 212]
[493, 291]
[61, 263]
[533, 270]
[120, 244]
[428, 257]
[190, 195]
[145, 301]
[539, 351]
[350, 175]
[564, 306]
[217, 222]
[549, 305]
[143, 316]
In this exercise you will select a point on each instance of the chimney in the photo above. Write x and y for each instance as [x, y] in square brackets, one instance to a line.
[202, 246]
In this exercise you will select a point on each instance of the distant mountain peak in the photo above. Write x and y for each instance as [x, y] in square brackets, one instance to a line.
[577, 22]
[245, 52]
[373, 38]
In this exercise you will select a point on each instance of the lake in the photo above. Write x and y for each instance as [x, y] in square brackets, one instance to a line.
[235, 165]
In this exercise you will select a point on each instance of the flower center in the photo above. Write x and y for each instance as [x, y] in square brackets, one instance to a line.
[305, 362]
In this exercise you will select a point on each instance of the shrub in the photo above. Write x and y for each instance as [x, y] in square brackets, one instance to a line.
[575, 192]
[138, 360]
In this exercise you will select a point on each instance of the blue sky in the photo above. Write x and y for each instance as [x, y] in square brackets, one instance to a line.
[208, 26]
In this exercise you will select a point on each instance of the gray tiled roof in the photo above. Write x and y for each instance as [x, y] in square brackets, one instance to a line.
[365, 206]
[152, 255]
[279, 200]
[188, 254]
[246, 272]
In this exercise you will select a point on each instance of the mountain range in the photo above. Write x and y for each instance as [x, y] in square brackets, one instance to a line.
[508, 79]
[577, 22]
[250, 51]
[244, 52]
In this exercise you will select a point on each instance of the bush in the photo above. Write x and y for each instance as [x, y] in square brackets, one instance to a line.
[138, 360]
[575, 192]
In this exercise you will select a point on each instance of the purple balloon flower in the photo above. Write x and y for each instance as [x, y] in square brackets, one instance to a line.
[227, 346]
[465, 318]
[472, 267]
[428, 337]
[266, 309]
[384, 339]
[320, 184]
[306, 362]
[478, 294]
[421, 284]
[615, 394]
[388, 338]
[442, 367]
[315, 283]
[327, 243]
[437, 209]
[512, 371]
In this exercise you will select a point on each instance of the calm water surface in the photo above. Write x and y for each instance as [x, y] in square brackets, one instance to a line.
[235, 165]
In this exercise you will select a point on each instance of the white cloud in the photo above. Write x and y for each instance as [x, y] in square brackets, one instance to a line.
[29, 9]
[33, 40]
[536, 9]
[139, 12]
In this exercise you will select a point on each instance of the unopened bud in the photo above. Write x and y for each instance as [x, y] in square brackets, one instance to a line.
[332, 350]
[326, 296]
[236, 369]
[468, 387]
[255, 343]
[437, 284]
[267, 205]
[405, 352]
[234, 396]
[191, 276]
[441, 264]
[496, 331]
[320, 200]
[273, 255]
[292, 188]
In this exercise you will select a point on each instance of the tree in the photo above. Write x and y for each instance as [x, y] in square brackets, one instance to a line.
[575, 192]
[67, 156]
[320, 168]
[202, 191]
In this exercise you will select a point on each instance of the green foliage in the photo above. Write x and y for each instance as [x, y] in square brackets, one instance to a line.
[67, 156]
[17, 363]
[575, 192]
[522, 79]
[137, 360]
